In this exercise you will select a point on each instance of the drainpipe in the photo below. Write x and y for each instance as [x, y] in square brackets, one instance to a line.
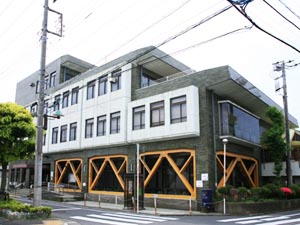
[214, 135]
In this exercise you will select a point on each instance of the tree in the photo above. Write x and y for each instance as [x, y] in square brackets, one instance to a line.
[273, 140]
[17, 136]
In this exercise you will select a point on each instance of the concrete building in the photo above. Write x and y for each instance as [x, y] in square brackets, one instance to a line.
[176, 117]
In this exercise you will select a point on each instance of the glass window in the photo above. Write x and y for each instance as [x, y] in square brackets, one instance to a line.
[63, 133]
[146, 80]
[44, 139]
[46, 105]
[101, 125]
[52, 79]
[102, 88]
[116, 82]
[89, 125]
[56, 103]
[73, 131]
[115, 123]
[65, 100]
[90, 90]
[46, 82]
[54, 135]
[239, 123]
[157, 114]
[178, 109]
[74, 97]
[69, 73]
[139, 118]
[37, 87]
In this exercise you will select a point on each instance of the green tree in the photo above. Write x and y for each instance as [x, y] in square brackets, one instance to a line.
[273, 140]
[17, 132]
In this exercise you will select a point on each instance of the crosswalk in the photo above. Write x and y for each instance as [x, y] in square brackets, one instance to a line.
[122, 218]
[265, 220]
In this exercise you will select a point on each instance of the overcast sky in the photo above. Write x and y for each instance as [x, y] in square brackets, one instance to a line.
[98, 31]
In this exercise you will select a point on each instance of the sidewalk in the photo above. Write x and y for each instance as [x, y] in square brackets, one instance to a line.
[147, 210]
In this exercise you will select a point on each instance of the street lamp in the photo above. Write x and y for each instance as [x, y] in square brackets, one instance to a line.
[225, 141]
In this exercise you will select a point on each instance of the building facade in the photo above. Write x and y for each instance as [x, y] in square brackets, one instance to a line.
[147, 101]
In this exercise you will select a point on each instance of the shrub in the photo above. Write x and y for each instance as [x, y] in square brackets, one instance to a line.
[296, 190]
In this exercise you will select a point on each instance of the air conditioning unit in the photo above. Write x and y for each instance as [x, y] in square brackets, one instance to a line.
[112, 79]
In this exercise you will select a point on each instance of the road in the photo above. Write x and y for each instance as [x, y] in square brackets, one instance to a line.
[80, 215]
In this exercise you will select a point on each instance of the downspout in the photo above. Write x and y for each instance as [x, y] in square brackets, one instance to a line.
[214, 135]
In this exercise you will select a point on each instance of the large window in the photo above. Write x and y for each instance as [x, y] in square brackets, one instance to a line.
[65, 100]
[146, 80]
[116, 80]
[68, 73]
[89, 126]
[239, 123]
[115, 123]
[157, 113]
[74, 97]
[90, 90]
[139, 118]
[63, 133]
[54, 135]
[73, 131]
[178, 109]
[101, 125]
[102, 88]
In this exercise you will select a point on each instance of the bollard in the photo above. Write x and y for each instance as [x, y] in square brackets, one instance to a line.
[84, 203]
[190, 206]
[155, 206]
[133, 203]
[116, 199]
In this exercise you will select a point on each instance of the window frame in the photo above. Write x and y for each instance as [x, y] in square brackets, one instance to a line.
[114, 86]
[73, 131]
[101, 123]
[89, 127]
[74, 96]
[102, 85]
[115, 117]
[90, 89]
[65, 99]
[159, 107]
[63, 133]
[181, 102]
[139, 113]
[54, 139]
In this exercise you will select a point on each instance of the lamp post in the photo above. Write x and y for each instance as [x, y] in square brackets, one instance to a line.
[225, 141]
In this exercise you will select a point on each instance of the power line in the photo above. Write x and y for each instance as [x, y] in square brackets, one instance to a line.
[289, 8]
[148, 28]
[281, 14]
[242, 10]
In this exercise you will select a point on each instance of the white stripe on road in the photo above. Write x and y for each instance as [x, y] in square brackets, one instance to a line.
[144, 216]
[65, 209]
[134, 217]
[241, 219]
[120, 219]
[101, 221]
[266, 219]
[281, 222]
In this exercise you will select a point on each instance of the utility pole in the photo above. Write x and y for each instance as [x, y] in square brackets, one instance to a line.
[289, 177]
[38, 166]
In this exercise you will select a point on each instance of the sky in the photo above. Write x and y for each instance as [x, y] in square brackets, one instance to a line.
[99, 31]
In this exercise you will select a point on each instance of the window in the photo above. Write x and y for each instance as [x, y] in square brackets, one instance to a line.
[178, 109]
[65, 100]
[46, 105]
[116, 82]
[90, 93]
[68, 73]
[56, 103]
[63, 133]
[33, 108]
[54, 135]
[37, 87]
[74, 97]
[101, 125]
[52, 79]
[146, 80]
[46, 82]
[239, 123]
[139, 118]
[89, 125]
[102, 88]
[157, 114]
[115, 123]
[73, 131]
[44, 139]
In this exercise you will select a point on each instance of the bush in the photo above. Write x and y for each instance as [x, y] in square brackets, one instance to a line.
[296, 190]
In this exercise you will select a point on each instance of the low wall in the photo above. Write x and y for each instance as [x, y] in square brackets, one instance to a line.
[244, 208]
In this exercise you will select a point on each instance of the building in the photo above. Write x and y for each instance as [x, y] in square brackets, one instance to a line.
[150, 104]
